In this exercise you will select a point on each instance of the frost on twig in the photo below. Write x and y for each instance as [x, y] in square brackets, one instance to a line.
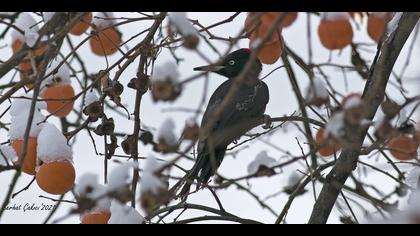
[93, 106]
[92, 196]
[165, 86]
[91, 97]
[335, 127]
[353, 110]
[7, 155]
[167, 140]
[123, 214]
[262, 165]
[103, 20]
[179, 23]
[293, 183]
[153, 186]
[317, 93]
[59, 74]
[119, 181]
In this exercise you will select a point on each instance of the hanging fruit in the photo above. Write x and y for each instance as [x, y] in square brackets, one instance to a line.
[328, 147]
[56, 175]
[335, 31]
[96, 218]
[404, 147]
[19, 112]
[81, 27]
[29, 163]
[57, 90]
[257, 28]
[288, 20]
[270, 52]
[107, 38]
[377, 22]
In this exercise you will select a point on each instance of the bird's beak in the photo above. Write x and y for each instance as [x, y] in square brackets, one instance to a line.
[210, 68]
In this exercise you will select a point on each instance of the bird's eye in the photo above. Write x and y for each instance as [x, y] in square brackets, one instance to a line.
[231, 62]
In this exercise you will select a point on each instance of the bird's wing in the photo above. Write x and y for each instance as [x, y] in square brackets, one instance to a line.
[233, 121]
[231, 124]
[239, 118]
[215, 101]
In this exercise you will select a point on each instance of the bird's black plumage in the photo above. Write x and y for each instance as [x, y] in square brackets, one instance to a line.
[249, 102]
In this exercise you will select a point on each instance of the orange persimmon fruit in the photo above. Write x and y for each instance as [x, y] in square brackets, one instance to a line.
[288, 19]
[25, 71]
[376, 25]
[258, 28]
[327, 149]
[403, 148]
[96, 218]
[56, 177]
[59, 99]
[82, 25]
[105, 42]
[18, 44]
[29, 164]
[270, 52]
[335, 34]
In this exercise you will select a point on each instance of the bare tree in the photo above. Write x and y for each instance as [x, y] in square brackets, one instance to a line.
[342, 136]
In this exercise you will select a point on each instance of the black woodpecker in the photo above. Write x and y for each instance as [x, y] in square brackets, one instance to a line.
[249, 102]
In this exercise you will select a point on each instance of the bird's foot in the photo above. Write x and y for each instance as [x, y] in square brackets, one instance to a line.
[267, 122]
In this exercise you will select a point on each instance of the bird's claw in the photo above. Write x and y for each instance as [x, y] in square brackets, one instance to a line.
[267, 122]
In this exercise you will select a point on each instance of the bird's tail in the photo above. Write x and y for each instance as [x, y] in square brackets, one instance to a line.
[204, 168]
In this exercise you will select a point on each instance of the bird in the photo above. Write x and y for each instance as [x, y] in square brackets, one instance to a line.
[249, 102]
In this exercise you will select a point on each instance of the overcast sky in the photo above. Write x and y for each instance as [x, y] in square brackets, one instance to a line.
[282, 102]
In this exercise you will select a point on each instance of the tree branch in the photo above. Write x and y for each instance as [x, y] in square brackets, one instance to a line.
[373, 97]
